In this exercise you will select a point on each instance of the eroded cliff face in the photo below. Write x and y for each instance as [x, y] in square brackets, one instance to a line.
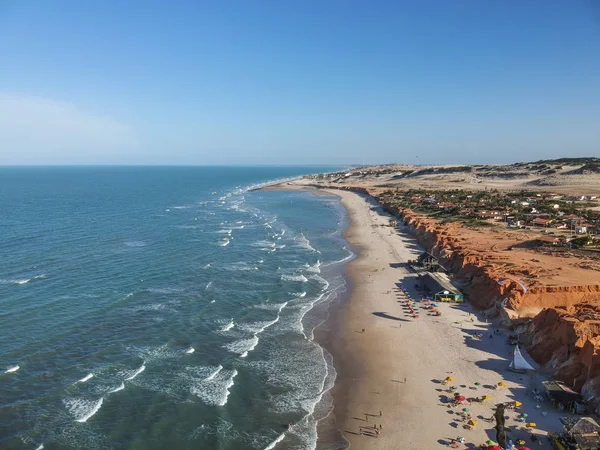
[564, 335]
[487, 283]
[569, 344]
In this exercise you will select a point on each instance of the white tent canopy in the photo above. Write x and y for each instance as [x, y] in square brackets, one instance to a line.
[519, 363]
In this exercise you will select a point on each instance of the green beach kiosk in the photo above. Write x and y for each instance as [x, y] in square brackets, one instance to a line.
[442, 289]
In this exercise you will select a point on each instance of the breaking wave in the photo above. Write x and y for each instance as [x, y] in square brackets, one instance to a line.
[82, 409]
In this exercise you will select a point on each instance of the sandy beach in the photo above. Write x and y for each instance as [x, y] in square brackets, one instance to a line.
[389, 375]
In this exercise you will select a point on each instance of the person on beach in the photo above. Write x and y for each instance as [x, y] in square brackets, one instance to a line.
[379, 413]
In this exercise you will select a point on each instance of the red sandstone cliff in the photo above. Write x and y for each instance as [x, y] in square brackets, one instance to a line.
[564, 336]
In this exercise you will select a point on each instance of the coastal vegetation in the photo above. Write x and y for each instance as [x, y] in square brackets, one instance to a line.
[568, 217]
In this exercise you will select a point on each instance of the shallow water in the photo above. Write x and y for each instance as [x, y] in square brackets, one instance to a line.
[148, 308]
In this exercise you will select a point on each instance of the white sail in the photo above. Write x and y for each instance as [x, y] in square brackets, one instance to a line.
[519, 363]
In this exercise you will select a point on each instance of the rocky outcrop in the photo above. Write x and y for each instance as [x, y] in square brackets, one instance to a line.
[569, 344]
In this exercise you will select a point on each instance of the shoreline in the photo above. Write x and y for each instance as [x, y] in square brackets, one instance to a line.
[395, 366]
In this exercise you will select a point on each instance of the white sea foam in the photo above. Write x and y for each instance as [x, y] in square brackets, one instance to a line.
[224, 231]
[40, 447]
[135, 244]
[215, 373]
[343, 260]
[299, 294]
[206, 266]
[89, 376]
[228, 386]
[243, 345]
[302, 242]
[213, 301]
[224, 243]
[315, 268]
[321, 280]
[209, 284]
[215, 389]
[22, 281]
[258, 327]
[164, 290]
[12, 369]
[263, 244]
[301, 278]
[241, 266]
[82, 409]
[137, 372]
[228, 326]
[118, 388]
[271, 306]
[275, 442]
[190, 350]
[152, 307]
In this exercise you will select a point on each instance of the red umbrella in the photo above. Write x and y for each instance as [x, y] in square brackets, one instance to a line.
[523, 448]
[460, 398]
[494, 447]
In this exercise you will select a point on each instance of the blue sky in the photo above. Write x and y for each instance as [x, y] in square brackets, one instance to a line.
[298, 82]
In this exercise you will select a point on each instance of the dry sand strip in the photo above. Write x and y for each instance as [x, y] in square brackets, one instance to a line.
[394, 367]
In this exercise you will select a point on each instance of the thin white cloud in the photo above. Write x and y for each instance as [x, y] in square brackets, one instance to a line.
[37, 130]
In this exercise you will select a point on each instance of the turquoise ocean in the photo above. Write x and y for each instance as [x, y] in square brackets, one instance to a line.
[164, 308]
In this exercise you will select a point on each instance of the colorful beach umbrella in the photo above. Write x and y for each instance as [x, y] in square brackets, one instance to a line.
[460, 398]
[489, 442]
[466, 410]
[477, 383]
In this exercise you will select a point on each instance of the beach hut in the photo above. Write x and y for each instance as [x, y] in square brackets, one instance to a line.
[443, 289]
[561, 395]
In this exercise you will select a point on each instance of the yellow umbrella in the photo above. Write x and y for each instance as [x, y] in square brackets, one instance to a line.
[486, 397]
[472, 422]
[517, 404]
[531, 425]
[502, 384]
[449, 378]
